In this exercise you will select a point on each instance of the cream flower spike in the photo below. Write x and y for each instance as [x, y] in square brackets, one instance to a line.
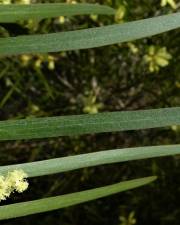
[14, 181]
[4, 193]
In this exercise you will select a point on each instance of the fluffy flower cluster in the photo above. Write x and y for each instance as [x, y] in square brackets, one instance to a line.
[14, 181]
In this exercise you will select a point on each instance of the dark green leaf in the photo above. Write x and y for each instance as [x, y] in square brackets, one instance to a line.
[15, 12]
[53, 203]
[88, 124]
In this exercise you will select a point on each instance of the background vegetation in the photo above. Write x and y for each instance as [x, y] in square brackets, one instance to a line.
[140, 75]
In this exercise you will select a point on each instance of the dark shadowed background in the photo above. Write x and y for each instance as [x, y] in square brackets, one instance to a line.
[143, 74]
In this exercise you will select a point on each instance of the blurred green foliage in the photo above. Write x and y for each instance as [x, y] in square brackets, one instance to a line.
[139, 75]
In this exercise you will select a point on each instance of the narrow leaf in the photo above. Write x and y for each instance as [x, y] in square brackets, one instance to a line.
[88, 124]
[15, 12]
[64, 164]
[53, 203]
[89, 38]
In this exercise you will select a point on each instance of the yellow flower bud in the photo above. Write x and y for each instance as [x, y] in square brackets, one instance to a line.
[120, 13]
[157, 57]
[172, 3]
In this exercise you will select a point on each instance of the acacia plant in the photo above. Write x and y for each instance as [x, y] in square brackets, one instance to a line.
[13, 177]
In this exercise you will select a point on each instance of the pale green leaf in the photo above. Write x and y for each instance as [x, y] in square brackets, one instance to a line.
[63, 164]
